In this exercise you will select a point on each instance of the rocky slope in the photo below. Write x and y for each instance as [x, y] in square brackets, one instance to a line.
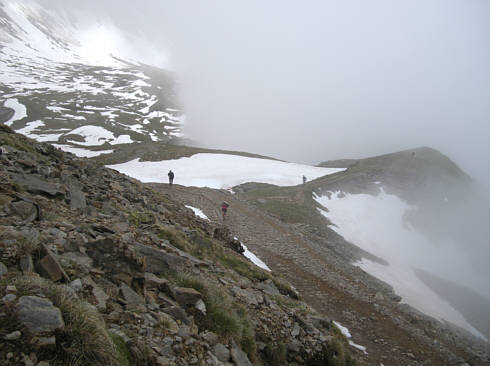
[98, 269]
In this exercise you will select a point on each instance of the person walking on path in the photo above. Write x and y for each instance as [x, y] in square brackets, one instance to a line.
[224, 208]
[170, 177]
[304, 179]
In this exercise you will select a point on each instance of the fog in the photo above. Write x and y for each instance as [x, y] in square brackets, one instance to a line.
[321, 80]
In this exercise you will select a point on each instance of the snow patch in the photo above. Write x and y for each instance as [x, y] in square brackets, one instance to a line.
[221, 171]
[19, 108]
[198, 212]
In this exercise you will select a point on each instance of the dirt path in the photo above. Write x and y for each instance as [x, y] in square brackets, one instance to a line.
[327, 288]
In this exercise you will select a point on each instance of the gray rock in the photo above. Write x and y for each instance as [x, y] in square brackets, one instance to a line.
[75, 195]
[152, 281]
[239, 357]
[100, 296]
[23, 209]
[76, 285]
[296, 330]
[177, 313]
[268, 287]
[44, 341]
[9, 298]
[158, 261]
[13, 336]
[186, 296]
[49, 267]
[130, 296]
[201, 306]
[39, 315]
[210, 337]
[221, 352]
[33, 184]
[3, 269]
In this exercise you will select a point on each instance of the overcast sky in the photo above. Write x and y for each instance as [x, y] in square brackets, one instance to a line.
[309, 81]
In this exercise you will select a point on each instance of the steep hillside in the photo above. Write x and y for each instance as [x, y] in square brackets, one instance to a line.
[98, 269]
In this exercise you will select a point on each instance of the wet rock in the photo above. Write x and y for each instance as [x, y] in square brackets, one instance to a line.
[38, 314]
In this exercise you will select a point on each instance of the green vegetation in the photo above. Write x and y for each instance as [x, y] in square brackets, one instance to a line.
[121, 349]
[138, 218]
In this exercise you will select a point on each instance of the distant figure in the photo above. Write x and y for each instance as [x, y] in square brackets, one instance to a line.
[304, 179]
[224, 208]
[413, 154]
[170, 177]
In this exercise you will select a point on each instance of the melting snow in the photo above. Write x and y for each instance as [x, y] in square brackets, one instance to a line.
[83, 153]
[221, 171]
[347, 335]
[19, 108]
[376, 224]
[198, 212]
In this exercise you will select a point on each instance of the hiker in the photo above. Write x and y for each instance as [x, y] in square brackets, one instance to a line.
[224, 208]
[170, 177]
[304, 179]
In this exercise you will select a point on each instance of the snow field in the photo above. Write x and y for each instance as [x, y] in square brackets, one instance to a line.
[376, 224]
[221, 171]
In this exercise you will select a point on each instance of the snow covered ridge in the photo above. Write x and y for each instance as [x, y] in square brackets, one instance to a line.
[221, 171]
[64, 74]
[376, 224]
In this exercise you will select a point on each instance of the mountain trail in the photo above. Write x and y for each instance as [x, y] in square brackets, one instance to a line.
[389, 338]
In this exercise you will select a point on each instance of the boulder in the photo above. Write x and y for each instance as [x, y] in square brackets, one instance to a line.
[152, 281]
[177, 313]
[35, 185]
[158, 261]
[186, 296]
[39, 315]
[221, 352]
[49, 267]
[130, 296]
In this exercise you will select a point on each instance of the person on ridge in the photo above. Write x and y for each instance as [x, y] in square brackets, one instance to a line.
[224, 208]
[170, 177]
[304, 179]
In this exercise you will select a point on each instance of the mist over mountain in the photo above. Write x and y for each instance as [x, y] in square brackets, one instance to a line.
[326, 80]
[388, 234]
